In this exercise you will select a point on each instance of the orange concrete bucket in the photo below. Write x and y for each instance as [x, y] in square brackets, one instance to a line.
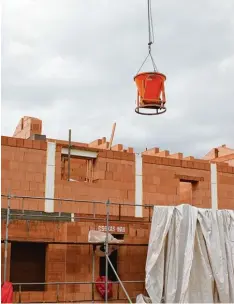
[150, 93]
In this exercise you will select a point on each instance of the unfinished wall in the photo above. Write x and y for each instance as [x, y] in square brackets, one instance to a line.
[74, 262]
[113, 178]
[23, 171]
[218, 152]
[24, 174]
[27, 127]
[168, 179]
[225, 181]
[110, 176]
[163, 175]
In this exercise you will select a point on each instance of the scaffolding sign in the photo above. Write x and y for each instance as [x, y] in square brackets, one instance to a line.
[112, 229]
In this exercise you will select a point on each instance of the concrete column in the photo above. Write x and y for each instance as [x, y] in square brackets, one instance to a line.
[214, 186]
[50, 176]
[138, 185]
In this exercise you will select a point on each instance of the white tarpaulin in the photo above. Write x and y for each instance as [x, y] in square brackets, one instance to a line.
[96, 236]
[191, 255]
[141, 299]
[100, 237]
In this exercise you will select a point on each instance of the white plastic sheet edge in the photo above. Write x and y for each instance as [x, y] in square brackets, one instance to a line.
[96, 236]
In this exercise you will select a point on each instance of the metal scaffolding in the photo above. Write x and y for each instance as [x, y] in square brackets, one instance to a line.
[23, 214]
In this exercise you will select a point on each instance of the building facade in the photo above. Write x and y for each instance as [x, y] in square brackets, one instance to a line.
[58, 192]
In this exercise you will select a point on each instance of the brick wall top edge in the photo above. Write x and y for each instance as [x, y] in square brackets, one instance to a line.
[103, 153]
[171, 156]
[121, 155]
[23, 143]
[225, 168]
[86, 147]
[165, 161]
[64, 143]
[77, 146]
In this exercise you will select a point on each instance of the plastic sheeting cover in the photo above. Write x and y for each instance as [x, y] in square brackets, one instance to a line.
[142, 299]
[100, 237]
[191, 255]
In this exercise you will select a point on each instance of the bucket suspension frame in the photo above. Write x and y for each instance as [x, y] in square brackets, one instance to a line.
[152, 107]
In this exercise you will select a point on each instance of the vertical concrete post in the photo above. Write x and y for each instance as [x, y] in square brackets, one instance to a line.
[138, 185]
[50, 176]
[214, 186]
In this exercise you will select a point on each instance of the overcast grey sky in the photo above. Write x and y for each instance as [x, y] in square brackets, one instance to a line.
[71, 63]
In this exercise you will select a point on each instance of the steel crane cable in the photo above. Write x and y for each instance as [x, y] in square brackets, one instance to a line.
[151, 38]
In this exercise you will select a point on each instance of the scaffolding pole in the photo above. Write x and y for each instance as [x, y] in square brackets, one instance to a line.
[93, 272]
[108, 259]
[6, 237]
[106, 249]
[120, 282]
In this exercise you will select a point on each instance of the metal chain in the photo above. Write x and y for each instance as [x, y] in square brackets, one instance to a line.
[150, 24]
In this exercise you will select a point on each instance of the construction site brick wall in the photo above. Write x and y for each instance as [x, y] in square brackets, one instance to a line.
[23, 171]
[225, 186]
[73, 263]
[164, 176]
[167, 179]
[113, 178]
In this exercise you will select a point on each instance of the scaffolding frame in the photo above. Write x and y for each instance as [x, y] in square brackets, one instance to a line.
[107, 219]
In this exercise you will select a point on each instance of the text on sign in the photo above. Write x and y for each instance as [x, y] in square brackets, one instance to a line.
[111, 229]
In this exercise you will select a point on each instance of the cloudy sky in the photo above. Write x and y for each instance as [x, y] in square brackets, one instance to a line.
[71, 63]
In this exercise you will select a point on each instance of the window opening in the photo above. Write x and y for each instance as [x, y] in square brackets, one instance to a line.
[28, 265]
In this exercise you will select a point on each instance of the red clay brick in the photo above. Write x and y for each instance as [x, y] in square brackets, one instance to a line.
[36, 144]
[95, 143]
[164, 153]
[109, 154]
[128, 156]
[43, 146]
[4, 140]
[109, 175]
[148, 159]
[5, 164]
[166, 161]
[176, 155]
[103, 154]
[118, 147]
[117, 155]
[28, 143]
[158, 160]
[12, 142]
[19, 142]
